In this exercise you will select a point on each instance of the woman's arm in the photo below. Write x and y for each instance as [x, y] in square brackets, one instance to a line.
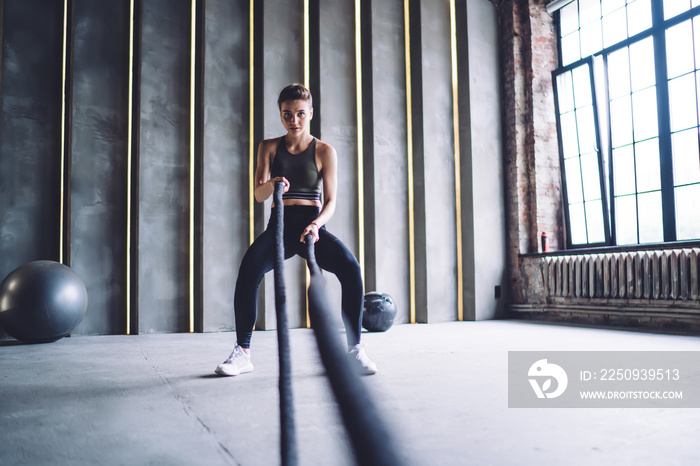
[328, 165]
[264, 185]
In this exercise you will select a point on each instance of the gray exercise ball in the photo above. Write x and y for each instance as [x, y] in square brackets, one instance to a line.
[41, 301]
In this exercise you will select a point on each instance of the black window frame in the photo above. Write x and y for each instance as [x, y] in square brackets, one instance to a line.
[657, 32]
[588, 61]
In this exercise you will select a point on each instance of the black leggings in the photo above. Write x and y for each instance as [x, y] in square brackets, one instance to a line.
[331, 255]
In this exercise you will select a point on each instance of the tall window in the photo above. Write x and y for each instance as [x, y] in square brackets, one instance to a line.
[627, 95]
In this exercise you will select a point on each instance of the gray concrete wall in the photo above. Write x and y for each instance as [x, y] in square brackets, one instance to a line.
[438, 165]
[484, 202]
[30, 132]
[390, 159]
[164, 187]
[339, 120]
[225, 157]
[30, 144]
[283, 50]
[98, 160]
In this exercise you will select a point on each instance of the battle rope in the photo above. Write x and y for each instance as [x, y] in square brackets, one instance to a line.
[288, 443]
[372, 442]
[371, 438]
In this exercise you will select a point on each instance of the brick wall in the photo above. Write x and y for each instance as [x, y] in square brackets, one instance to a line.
[533, 180]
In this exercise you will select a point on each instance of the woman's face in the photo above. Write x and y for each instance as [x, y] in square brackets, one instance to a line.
[296, 116]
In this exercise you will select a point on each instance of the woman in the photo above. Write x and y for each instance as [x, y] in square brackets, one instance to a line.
[306, 166]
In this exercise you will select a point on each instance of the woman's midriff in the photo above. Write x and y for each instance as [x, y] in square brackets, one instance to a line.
[289, 202]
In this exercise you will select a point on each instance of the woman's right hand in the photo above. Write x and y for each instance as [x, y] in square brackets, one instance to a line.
[283, 180]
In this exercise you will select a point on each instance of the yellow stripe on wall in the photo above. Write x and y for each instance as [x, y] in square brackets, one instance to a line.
[360, 140]
[193, 53]
[129, 138]
[64, 104]
[251, 125]
[457, 161]
[409, 131]
[307, 83]
[307, 58]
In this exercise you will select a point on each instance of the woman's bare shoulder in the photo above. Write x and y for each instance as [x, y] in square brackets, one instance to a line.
[323, 149]
[271, 143]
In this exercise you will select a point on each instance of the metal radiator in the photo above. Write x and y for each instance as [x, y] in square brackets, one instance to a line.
[670, 275]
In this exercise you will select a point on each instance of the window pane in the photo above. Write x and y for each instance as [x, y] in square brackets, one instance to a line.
[586, 130]
[621, 121]
[568, 18]
[574, 191]
[578, 224]
[686, 158]
[633, 155]
[675, 7]
[594, 217]
[687, 212]
[642, 64]
[589, 11]
[679, 49]
[644, 114]
[619, 73]
[683, 103]
[650, 218]
[624, 173]
[638, 16]
[648, 165]
[569, 137]
[608, 6]
[614, 27]
[565, 93]
[591, 39]
[626, 220]
[591, 176]
[582, 86]
[696, 36]
[570, 50]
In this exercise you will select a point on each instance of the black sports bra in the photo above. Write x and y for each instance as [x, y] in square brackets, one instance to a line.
[300, 170]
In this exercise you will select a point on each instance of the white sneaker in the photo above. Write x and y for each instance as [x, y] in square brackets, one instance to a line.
[361, 361]
[237, 363]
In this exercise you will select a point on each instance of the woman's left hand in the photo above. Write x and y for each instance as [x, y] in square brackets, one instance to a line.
[311, 229]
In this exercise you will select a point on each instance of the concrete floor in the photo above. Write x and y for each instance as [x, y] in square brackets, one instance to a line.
[154, 400]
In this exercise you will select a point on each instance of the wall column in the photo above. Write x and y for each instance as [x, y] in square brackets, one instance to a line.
[282, 63]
